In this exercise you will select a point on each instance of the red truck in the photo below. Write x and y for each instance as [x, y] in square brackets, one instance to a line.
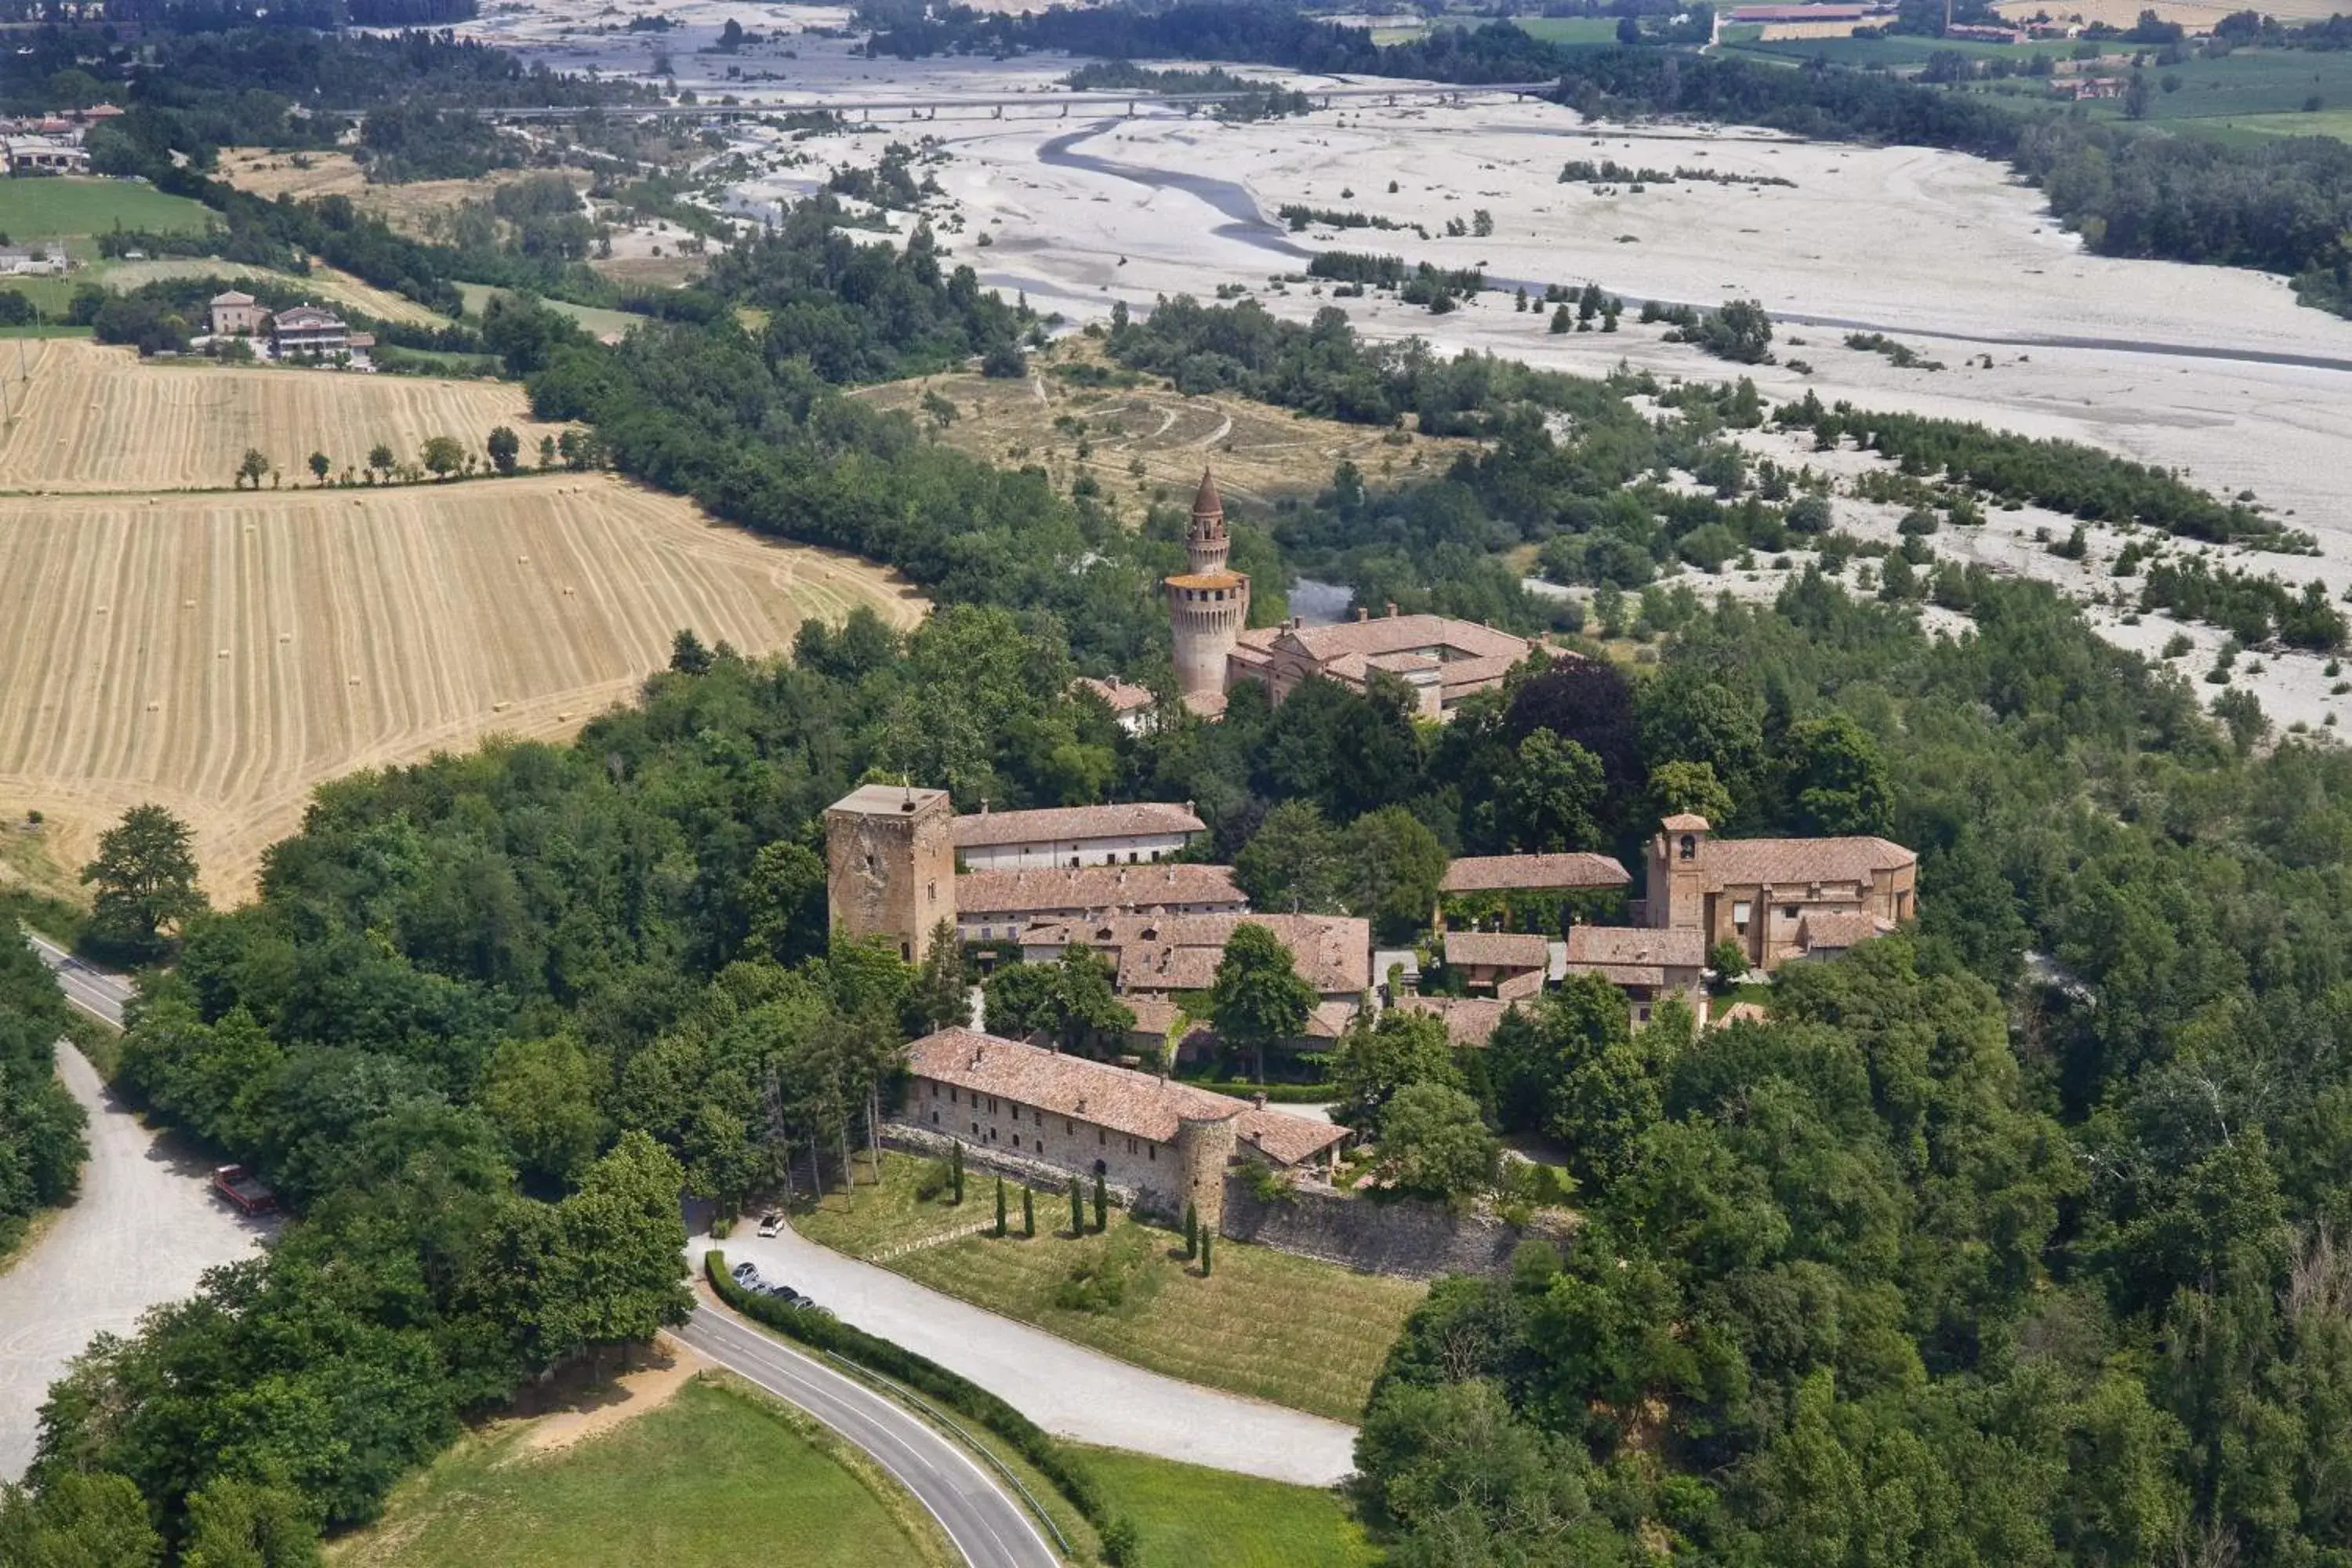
[242, 1188]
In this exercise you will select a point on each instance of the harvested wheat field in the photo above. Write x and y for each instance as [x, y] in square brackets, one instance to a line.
[410, 207]
[95, 418]
[222, 654]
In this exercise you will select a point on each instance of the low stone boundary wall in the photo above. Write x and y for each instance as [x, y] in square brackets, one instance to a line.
[1407, 1236]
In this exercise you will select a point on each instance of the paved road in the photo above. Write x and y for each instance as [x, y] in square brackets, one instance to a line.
[988, 1524]
[1063, 1387]
[142, 1231]
[100, 993]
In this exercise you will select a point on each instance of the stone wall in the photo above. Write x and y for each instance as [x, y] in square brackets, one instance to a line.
[1409, 1237]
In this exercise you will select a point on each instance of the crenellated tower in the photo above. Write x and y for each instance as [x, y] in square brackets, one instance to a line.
[1208, 603]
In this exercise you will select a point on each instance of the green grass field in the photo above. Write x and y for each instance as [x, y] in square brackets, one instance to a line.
[1188, 1517]
[63, 207]
[716, 1479]
[596, 320]
[871, 1219]
[1570, 29]
[1284, 1328]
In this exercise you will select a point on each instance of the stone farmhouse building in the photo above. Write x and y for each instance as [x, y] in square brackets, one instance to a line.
[1075, 836]
[1498, 965]
[1777, 899]
[308, 330]
[1166, 1143]
[236, 314]
[1648, 965]
[1482, 891]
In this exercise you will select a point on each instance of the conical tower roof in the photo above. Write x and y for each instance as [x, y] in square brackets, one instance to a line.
[1206, 501]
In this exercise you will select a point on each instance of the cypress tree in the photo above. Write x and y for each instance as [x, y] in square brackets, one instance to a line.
[1077, 1208]
[1192, 1232]
[1208, 1258]
[1102, 1204]
[1028, 1211]
[955, 1168]
[999, 1206]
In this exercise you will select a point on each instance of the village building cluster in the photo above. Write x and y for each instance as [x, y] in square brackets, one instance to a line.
[50, 144]
[301, 334]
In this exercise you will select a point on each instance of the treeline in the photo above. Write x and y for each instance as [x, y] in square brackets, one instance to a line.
[41, 1143]
[1299, 215]
[1609, 172]
[2064, 476]
[1252, 99]
[2253, 608]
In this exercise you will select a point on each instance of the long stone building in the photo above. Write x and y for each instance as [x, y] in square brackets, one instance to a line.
[1166, 1142]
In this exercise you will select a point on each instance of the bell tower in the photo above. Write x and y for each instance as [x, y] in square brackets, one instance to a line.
[1208, 603]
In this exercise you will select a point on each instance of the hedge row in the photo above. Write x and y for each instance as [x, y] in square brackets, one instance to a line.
[822, 1331]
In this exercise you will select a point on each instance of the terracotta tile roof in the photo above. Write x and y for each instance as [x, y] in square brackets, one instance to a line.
[1206, 501]
[1633, 955]
[1180, 952]
[1496, 949]
[1286, 1139]
[1683, 949]
[1122, 696]
[1404, 634]
[1092, 890]
[1685, 822]
[1072, 824]
[1205, 704]
[306, 317]
[1469, 1020]
[1797, 862]
[1837, 928]
[1532, 873]
[233, 297]
[1331, 1018]
[1137, 1104]
[1478, 670]
[1205, 580]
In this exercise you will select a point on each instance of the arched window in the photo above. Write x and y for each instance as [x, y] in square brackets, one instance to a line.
[1690, 846]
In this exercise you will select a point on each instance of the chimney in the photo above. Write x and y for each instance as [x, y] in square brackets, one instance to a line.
[1258, 1100]
[983, 806]
[1392, 609]
[1364, 613]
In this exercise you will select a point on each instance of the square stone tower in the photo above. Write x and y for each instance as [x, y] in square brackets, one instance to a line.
[889, 856]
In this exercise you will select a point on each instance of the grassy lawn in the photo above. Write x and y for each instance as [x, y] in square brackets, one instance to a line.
[1570, 29]
[53, 208]
[1188, 1517]
[715, 1476]
[873, 1219]
[595, 319]
[1284, 1328]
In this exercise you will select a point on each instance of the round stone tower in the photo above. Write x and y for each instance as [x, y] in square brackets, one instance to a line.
[1208, 604]
[1204, 1147]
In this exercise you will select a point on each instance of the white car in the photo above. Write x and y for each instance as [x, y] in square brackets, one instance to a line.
[771, 1223]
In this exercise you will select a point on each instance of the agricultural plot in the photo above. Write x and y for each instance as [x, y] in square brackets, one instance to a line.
[92, 417]
[325, 284]
[67, 208]
[222, 654]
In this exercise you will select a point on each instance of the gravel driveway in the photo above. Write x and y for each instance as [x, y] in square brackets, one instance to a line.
[1063, 1387]
[144, 1229]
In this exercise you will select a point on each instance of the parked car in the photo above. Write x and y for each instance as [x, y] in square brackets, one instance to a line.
[788, 1296]
[747, 1275]
[771, 1223]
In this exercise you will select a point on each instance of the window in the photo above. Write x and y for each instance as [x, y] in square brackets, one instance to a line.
[935, 1091]
[1074, 862]
[935, 1118]
[1130, 1145]
[1132, 857]
[1068, 1131]
[952, 1097]
[1642, 1014]
[1016, 1139]
[1787, 911]
[975, 1129]
[1151, 1151]
[1102, 1138]
[1690, 846]
[1740, 913]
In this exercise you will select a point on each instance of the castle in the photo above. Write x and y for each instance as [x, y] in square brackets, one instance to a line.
[1439, 659]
